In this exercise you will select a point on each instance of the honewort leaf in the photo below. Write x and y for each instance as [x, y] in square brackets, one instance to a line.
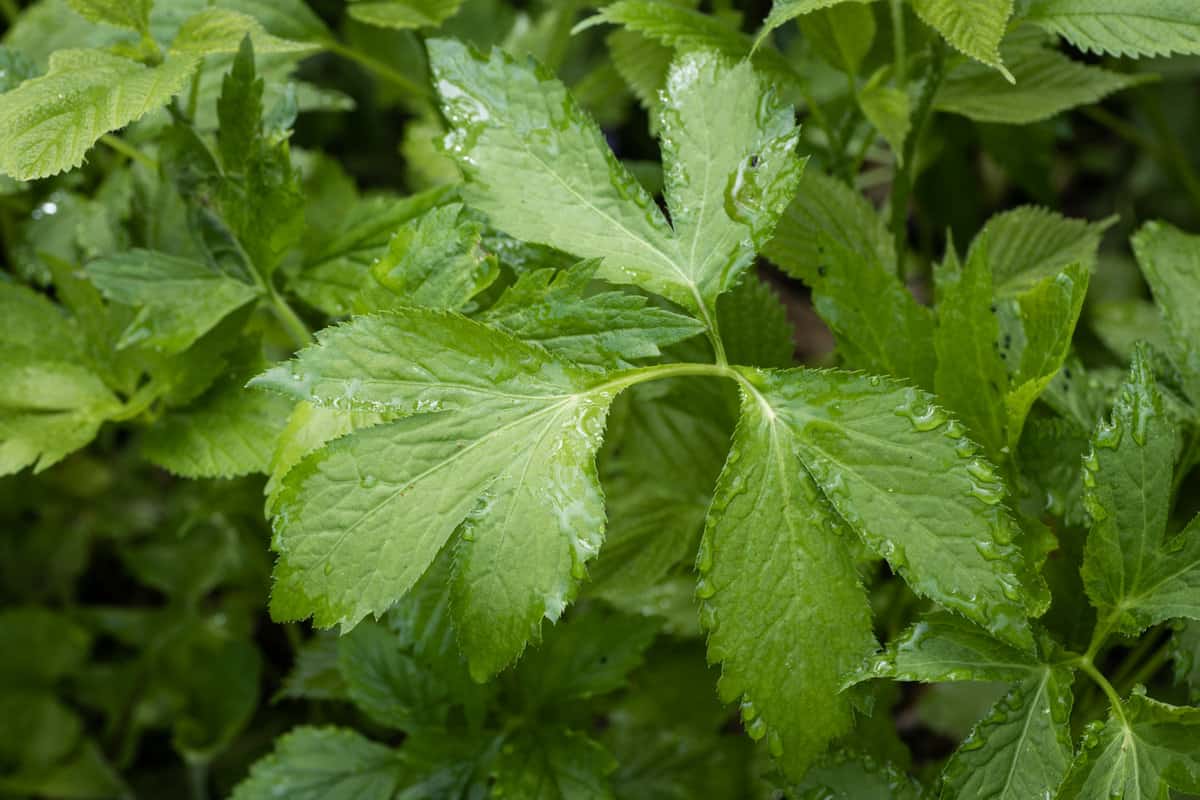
[178, 300]
[1022, 747]
[1131, 571]
[973, 27]
[540, 169]
[944, 528]
[831, 238]
[132, 14]
[1130, 28]
[1144, 748]
[1044, 83]
[606, 329]
[510, 458]
[785, 612]
[48, 124]
[1170, 261]
[312, 763]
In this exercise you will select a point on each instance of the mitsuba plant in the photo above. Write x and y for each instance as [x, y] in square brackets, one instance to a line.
[553, 436]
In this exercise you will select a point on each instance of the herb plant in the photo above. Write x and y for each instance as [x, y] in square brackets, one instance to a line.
[610, 391]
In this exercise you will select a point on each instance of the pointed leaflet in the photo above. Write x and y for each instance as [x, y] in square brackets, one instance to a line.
[786, 10]
[132, 14]
[510, 458]
[1129, 28]
[831, 238]
[785, 613]
[605, 329]
[1047, 82]
[1130, 569]
[325, 764]
[540, 169]
[842, 36]
[48, 124]
[1022, 748]
[404, 14]
[1144, 748]
[1170, 262]
[974, 27]
[944, 528]
[178, 299]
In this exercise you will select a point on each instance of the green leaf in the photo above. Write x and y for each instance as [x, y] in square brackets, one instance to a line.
[783, 11]
[1022, 748]
[1130, 28]
[228, 431]
[778, 586]
[846, 776]
[944, 528]
[48, 409]
[512, 457]
[334, 272]
[553, 764]
[1184, 648]
[831, 238]
[889, 109]
[842, 35]
[436, 260]
[1131, 571]
[1143, 748]
[220, 30]
[521, 139]
[643, 64]
[290, 19]
[48, 124]
[942, 647]
[389, 684]
[324, 764]
[40, 647]
[404, 14]
[1171, 265]
[132, 14]
[178, 299]
[31, 325]
[605, 329]
[973, 27]
[970, 376]
[1044, 83]
[755, 325]
[240, 110]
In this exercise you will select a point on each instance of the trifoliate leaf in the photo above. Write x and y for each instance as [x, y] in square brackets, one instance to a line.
[178, 299]
[605, 329]
[48, 124]
[325, 764]
[944, 528]
[1142, 749]
[1169, 261]
[549, 763]
[436, 260]
[943, 647]
[404, 13]
[1130, 28]
[511, 458]
[973, 27]
[833, 239]
[220, 30]
[1022, 748]
[729, 169]
[1131, 571]
[784, 610]
[132, 14]
[1044, 83]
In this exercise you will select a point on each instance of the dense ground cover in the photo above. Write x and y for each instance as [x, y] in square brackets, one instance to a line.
[470, 398]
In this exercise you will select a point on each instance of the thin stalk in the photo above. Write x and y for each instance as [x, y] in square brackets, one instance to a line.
[1177, 158]
[129, 151]
[1148, 669]
[379, 68]
[198, 780]
[1114, 699]
[1135, 657]
[899, 43]
[193, 102]
[902, 185]
[300, 334]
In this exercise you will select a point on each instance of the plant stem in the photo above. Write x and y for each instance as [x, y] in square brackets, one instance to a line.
[899, 43]
[1114, 699]
[1177, 160]
[902, 185]
[374, 65]
[1134, 659]
[1148, 669]
[129, 151]
[198, 780]
[300, 334]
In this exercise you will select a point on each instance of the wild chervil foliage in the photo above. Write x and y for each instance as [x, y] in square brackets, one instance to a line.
[568, 400]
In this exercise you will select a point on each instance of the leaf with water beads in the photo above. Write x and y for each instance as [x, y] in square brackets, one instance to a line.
[509, 457]
[944, 526]
[1130, 569]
